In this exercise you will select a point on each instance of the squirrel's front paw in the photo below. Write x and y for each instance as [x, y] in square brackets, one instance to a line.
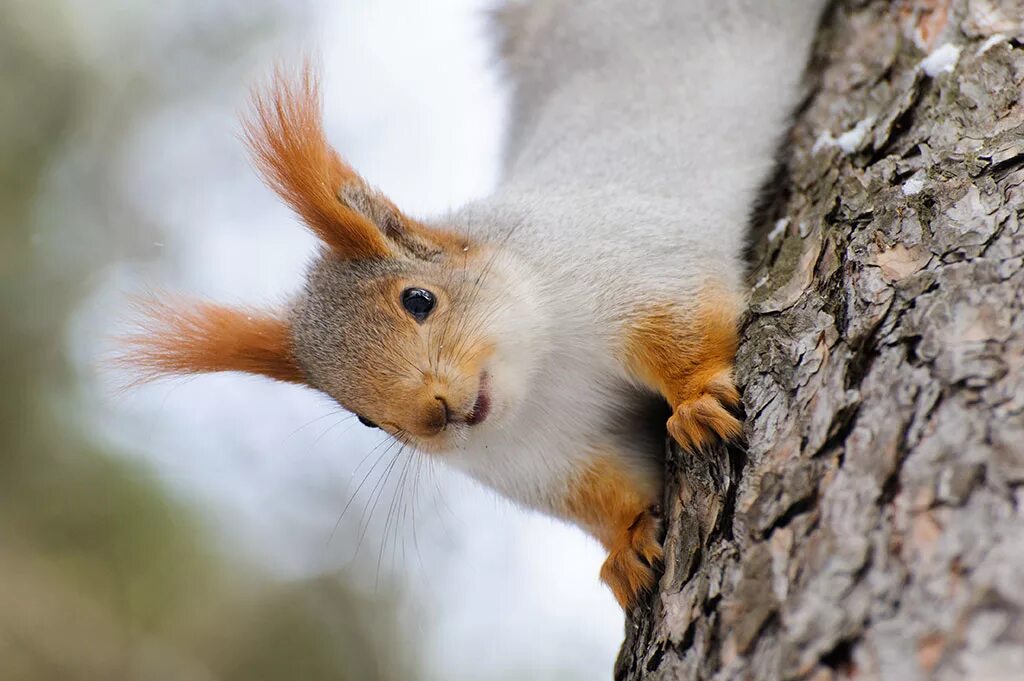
[631, 568]
[708, 417]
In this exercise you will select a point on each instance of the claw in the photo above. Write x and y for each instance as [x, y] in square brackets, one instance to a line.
[631, 568]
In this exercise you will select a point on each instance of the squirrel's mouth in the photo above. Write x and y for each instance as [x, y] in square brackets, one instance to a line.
[482, 406]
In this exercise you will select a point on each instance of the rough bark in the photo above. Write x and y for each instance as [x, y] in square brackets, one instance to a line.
[874, 526]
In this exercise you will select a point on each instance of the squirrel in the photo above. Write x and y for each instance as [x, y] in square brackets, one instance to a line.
[527, 338]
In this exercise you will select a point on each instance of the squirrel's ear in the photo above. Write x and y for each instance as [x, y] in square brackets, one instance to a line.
[286, 137]
[204, 337]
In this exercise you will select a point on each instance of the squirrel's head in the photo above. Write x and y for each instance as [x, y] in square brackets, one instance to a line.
[414, 328]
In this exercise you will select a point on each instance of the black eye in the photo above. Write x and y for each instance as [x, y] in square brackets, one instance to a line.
[366, 422]
[418, 302]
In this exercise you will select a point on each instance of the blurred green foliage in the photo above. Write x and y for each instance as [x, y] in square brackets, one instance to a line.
[102, 574]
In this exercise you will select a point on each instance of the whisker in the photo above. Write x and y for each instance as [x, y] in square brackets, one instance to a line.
[439, 499]
[391, 520]
[333, 412]
[415, 500]
[462, 337]
[375, 495]
[352, 498]
[413, 364]
[346, 417]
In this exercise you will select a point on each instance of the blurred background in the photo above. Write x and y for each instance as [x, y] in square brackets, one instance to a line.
[225, 527]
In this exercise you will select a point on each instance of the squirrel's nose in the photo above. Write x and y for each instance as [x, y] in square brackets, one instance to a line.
[445, 412]
[437, 416]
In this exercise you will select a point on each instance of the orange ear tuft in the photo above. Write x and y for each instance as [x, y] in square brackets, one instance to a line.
[204, 337]
[287, 140]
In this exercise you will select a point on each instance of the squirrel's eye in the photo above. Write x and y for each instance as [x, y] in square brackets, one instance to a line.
[366, 422]
[418, 302]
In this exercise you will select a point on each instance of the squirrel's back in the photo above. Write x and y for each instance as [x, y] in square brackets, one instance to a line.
[640, 134]
[664, 97]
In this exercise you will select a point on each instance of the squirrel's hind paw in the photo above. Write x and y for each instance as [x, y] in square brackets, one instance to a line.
[631, 568]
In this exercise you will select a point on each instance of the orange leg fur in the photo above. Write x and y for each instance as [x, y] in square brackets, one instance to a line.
[688, 358]
[618, 509]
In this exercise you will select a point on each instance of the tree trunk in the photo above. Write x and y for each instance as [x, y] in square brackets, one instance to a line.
[874, 527]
